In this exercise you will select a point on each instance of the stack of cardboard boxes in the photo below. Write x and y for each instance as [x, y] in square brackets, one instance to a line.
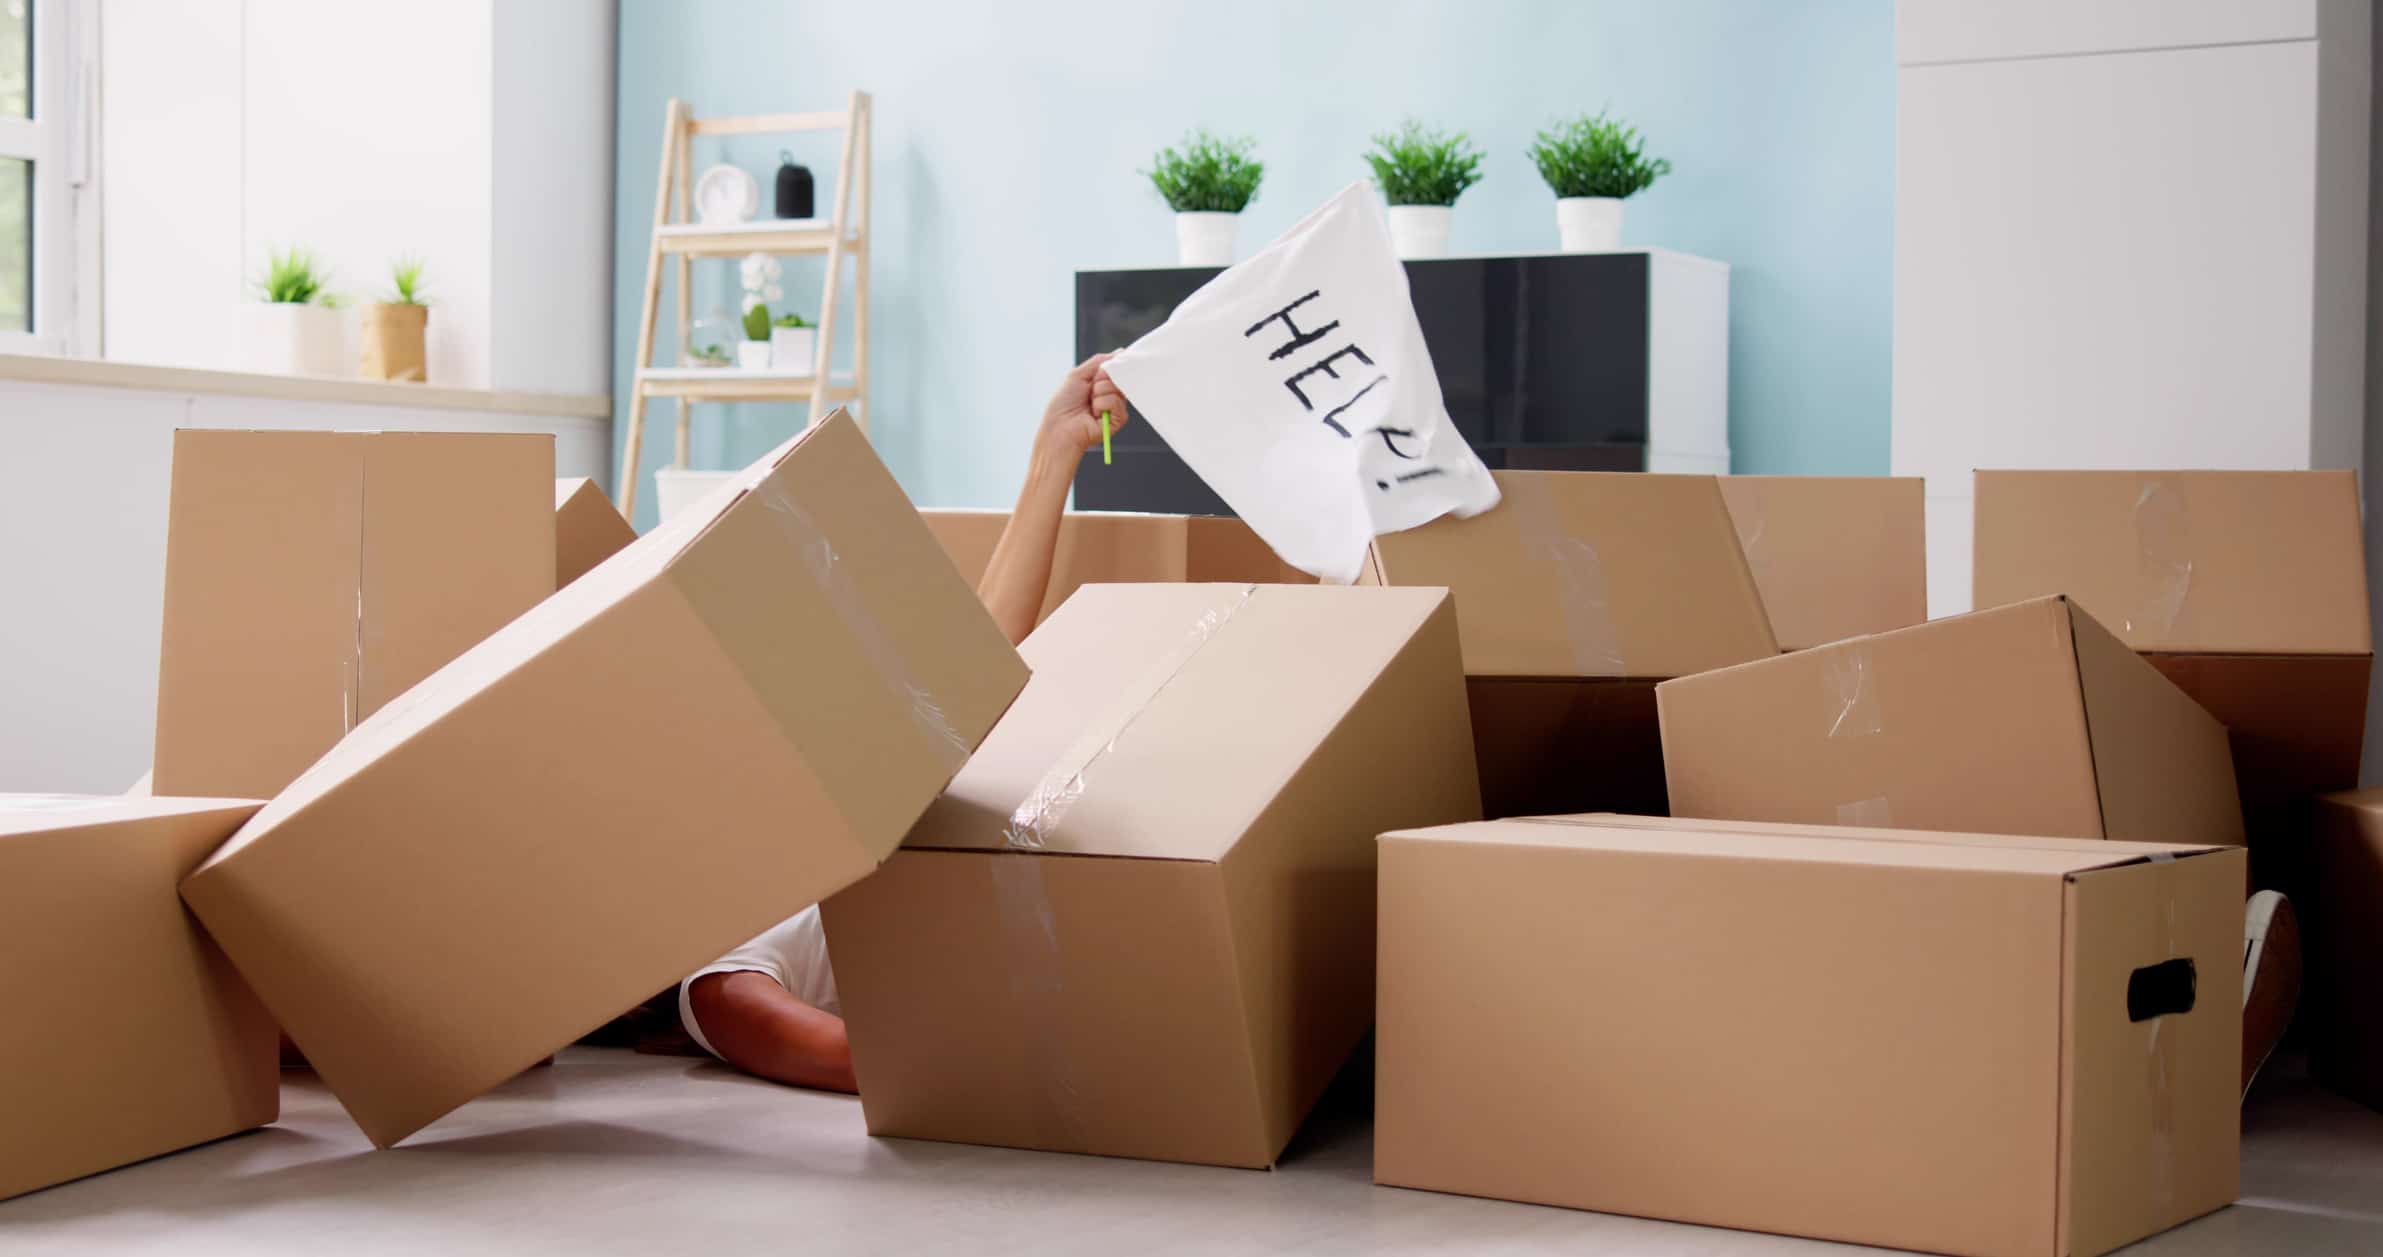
[1949, 957]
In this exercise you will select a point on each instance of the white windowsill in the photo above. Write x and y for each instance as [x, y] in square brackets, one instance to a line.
[96, 373]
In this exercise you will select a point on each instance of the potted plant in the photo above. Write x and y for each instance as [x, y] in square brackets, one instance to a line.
[1421, 173]
[760, 272]
[1208, 182]
[793, 343]
[294, 329]
[1593, 164]
[394, 327]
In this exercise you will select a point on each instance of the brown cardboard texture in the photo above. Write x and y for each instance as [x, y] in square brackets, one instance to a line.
[1121, 547]
[1834, 556]
[2026, 719]
[1574, 596]
[740, 713]
[1140, 922]
[1961, 1044]
[126, 1034]
[313, 576]
[2247, 588]
[2343, 927]
[588, 529]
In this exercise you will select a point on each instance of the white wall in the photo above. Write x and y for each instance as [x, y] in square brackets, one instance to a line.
[474, 133]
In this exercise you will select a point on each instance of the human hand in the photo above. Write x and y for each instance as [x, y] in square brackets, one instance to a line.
[1071, 423]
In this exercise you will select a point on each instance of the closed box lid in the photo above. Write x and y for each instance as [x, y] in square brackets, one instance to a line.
[1590, 574]
[1834, 556]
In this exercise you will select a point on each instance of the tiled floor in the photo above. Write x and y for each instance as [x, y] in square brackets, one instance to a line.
[609, 1153]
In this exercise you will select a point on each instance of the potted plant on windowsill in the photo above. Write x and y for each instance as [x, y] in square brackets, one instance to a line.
[793, 343]
[760, 272]
[1421, 173]
[1593, 164]
[294, 329]
[1208, 182]
[395, 327]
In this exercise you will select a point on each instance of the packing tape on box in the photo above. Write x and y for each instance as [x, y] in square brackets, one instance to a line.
[833, 578]
[1038, 993]
[1581, 587]
[1870, 813]
[2163, 559]
[1750, 515]
[2160, 1056]
[1849, 699]
[347, 520]
[1038, 816]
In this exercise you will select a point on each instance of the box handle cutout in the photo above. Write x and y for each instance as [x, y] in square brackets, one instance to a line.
[2161, 990]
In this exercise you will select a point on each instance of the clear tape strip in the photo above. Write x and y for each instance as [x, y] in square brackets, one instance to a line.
[833, 577]
[1038, 816]
[1038, 993]
[2163, 559]
[351, 681]
[1870, 813]
[1579, 571]
[1849, 701]
[1752, 518]
[2160, 1059]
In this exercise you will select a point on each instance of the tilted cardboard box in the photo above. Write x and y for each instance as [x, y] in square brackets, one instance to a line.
[588, 529]
[2342, 933]
[2247, 588]
[1121, 547]
[2026, 719]
[1834, 556]
[1140, 923]
[313, 576]
[1576, 594]
[731, 719]
[1955, 1043]
[125, 1033]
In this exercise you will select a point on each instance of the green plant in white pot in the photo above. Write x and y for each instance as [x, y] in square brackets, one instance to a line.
[794, 343]
[1593, 164]
[760, 273]
[1207, 182]
[1421, 173]
[293, 328]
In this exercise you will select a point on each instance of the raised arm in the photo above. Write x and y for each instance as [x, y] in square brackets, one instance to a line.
[1019, 574]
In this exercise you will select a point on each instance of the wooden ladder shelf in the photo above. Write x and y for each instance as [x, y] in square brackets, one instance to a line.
[677, 236]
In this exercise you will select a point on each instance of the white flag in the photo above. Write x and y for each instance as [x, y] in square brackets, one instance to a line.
[1298, 386]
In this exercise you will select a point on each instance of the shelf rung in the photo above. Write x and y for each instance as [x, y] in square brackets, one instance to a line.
[764, 124]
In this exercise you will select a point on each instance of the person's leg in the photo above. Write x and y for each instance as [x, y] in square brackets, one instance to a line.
[2270, 978]
[753, 1023]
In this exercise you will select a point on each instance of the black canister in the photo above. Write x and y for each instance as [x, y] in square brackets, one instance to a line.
[794, 188]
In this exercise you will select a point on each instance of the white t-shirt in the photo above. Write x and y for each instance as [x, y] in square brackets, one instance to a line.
[794, 955]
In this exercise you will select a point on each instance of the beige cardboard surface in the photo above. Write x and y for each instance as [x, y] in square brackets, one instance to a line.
[313, 576]
[2342, 932]
[1120, 547]
[1887, 1043]
[1834, 556]
[1140, 921]
[126, 1033]
[2024, 719]
[740, 713]
[588, 528]
[1574, 596]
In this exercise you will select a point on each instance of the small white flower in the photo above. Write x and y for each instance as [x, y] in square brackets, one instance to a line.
[752, 299]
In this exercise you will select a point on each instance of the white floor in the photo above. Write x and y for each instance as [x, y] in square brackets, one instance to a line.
[608, 1152]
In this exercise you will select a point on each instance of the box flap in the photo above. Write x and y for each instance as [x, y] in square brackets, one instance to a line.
[1834, 556]
[2111, 851]
[1590, 574]
[588, 529]
[2240, 562]
[36, 813]
[2161, 762]
[1161, 719]
[1799, 843]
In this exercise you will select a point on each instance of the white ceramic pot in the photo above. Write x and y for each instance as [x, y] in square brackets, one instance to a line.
[1205, 237]
[1589, 224]
[753, 355]
[284, 338]
[1420, 231]
[794, 348]
[676, 488]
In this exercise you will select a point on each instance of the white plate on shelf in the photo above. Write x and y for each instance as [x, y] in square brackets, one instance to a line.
[726, 194]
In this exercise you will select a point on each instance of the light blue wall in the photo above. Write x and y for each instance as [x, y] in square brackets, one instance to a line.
[1009, 136]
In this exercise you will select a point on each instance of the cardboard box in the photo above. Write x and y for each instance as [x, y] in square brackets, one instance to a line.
[1834, 556]
[1577, 594]
[124, 1033]
[1955, 1043]
[2342, 931]
[2247, 588]
[1121, 547]
[588, 529]
[1140, 923]
[731, 719]
[2026, 719]
[313, 576]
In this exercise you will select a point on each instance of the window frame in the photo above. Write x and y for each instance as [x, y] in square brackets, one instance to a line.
[60, 139]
